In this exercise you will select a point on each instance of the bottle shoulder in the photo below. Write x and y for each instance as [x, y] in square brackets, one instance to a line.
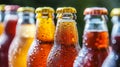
[112, 60]
[5, 41]
[90, 56]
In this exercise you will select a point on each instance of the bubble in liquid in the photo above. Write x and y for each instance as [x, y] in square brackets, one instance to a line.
[97, 39]
[114, 41]
[100, 41]
[116, 57]
[96, 44]
[31, 59]
[41, 48]
[55, 54]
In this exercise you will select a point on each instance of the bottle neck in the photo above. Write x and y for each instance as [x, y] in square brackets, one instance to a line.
[115, 19]
[95, 32]
[66, 16]
[25, 25]
[10, 15]
[66, 30]
[95, 23]
[10, 22]
[26, 18]
[44, 15]
[1, 16]
[7, 13]
[116, 26]
[45, 27]
[115, 36]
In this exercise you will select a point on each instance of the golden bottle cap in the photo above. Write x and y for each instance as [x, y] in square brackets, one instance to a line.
[2, 7]
[115, 12]
[95, 11]
[66, 10]
[26, 9]
[44, 10]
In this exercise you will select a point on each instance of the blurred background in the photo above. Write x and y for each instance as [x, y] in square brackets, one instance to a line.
[80, 5]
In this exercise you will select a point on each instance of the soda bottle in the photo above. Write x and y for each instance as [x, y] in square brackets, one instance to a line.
[66, 45]
[113, 58]
[6, 38]
[23, 39]
[1, 18]
[44, 38]
[95, 38]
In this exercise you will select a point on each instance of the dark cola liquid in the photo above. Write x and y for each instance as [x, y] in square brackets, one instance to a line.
[94, 50]
[116, 44]
[113, 59]
[5, 41]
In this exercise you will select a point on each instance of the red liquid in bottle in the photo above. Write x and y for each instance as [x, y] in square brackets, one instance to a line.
[94, 50]
[96, 39]
[5, 41]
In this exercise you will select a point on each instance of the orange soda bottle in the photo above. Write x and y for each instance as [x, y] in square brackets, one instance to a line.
[6, 38]
[95, 39]
[44, 38]
[113, 58]
[23, 39]
[1, 18]
[66, 45]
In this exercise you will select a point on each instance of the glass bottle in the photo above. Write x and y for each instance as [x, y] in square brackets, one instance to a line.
[95, 38]
[1, 18]
[66, 45]
[113, 58]
[44, 37]
[6, 38]
[24, 37]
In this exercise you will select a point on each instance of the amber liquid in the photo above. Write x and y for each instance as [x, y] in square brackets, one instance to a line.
[65, 47]
[5, 41]
[94, 50]
[1, 28]
[20, 45]
[43, 42]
